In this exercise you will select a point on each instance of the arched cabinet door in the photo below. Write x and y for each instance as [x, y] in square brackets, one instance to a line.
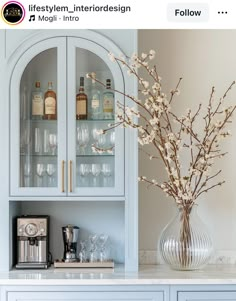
[65, 155]
[96, 162]
[38, 145]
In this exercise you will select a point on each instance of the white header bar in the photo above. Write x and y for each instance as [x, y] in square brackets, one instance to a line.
[120, 14]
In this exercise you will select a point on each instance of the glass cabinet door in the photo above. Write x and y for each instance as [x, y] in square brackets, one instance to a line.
[96, 161]
[38, 135]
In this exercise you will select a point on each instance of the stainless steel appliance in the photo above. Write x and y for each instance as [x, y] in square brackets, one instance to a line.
[70, 238]
[33, 241]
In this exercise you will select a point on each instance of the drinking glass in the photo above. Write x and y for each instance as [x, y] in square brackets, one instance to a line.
[27, 173]
[95, 170]
[102, 241]
[82, 138]
[51, 169]
[112, 139]
[46, 141]
[27, 140]
[37, 141]
[40, 171]
[106, 171]
[93, 247]
[82, 253]
[101, 141]
[52, 139]
[84, 170]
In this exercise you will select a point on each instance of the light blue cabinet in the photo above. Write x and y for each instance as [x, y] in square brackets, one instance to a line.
[91, 293]
[104, 204]
[77, 170]
[203, 293]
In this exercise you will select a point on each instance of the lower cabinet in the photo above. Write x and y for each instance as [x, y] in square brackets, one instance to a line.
[73, 293]
[206, 296]
[203, 293]
[119, 293]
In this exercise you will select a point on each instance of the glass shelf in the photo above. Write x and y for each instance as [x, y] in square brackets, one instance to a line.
[95, 156]
[39, 155]
[96, 120]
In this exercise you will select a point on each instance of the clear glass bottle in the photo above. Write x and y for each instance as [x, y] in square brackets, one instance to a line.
[37, 102]
[50, 103]
[95, 100]
[81, 102]
[108, 101]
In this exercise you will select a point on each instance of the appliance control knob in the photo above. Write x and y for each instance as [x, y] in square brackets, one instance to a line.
[31, 229]
[42, 230]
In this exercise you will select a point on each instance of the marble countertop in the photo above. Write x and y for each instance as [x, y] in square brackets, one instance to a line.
[147, 275]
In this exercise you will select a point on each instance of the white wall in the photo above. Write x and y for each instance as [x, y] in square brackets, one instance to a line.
[204, 59]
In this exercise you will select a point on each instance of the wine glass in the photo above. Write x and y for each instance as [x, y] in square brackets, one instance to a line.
[93, 247]
[52, 139]
[84, 170]
[101, 141]
[82, 138]
[102, 241]
[106, 171]
[95, 170]
[40, 171]
[51, 169]
[27, 173]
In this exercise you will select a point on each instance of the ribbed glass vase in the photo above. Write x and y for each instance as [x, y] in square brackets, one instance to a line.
[185, 243]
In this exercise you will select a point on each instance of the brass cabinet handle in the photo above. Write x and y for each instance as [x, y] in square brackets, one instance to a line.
[62, 176]
[70, 176]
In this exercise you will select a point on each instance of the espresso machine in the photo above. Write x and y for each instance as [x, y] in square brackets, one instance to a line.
[33, 242]
[70, 238]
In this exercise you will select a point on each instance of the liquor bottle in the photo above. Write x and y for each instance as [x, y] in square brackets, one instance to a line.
[108, 101]
[50, 103]
[95, 100]
[37, 102]
[81, 102]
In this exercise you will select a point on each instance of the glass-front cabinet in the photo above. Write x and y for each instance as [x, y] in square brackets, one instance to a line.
[58, 115]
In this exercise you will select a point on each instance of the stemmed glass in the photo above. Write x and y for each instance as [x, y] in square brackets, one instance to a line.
[40, 170]
[93, 247]
[95, 170]
[52, 139]
[102, 241]
[82, 253]
[106, 171]
[101, 141]
[51, 169]
[82, 138]
[84, 170]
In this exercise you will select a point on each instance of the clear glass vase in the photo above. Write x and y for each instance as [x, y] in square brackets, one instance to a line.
[185, 243]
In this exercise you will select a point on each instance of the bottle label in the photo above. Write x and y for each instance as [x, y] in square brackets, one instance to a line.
[50, 106]
[81, 107]
[95, 103]
[37, 105]
[108, 104]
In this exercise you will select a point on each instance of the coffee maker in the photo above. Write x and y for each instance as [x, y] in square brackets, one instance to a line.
[70, 238]
[33, 242]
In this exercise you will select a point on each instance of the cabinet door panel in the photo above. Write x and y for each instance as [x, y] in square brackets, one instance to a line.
[38, 145]
[207, 296]
[85, 296]
[97, 161]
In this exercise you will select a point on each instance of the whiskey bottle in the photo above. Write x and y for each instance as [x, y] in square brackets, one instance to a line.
[108, 101]
[95, 100]
[37, 102]
[50, 103]
[81, 102]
